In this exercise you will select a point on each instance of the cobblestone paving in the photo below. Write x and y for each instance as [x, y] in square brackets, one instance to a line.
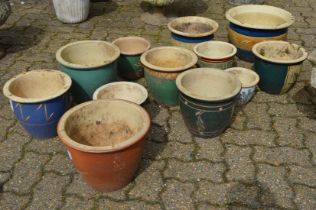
[265, 160]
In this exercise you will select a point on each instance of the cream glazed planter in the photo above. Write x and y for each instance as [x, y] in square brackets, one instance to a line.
[71, 11]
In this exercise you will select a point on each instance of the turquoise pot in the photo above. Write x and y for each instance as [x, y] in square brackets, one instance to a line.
[90, 64]
[207, 100]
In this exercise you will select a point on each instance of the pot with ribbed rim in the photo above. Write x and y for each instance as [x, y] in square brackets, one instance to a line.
[71, 11]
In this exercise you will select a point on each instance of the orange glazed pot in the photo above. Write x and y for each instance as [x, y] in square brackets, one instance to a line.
[105, 140]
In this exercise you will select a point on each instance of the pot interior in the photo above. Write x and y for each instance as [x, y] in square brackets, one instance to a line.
[247, 77]
[280, 51]
[192, 27]
[132, 45]
[215, 50]
[259, 19]
[89, 54]
[104, 123]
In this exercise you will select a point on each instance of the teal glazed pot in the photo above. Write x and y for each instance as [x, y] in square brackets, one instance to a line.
[207, 100]
[278, 64]
[90, 64]
[162, 66]
[131, 48]
[215, 54]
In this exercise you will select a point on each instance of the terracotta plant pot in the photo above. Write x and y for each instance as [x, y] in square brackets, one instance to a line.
[207, 100]
[216, 54]
[191, 30]
[90, 64]
[131, 48]
[128, 91]
[278, 64]
[72, 11]
[38, 99]
[251, 24]
[249, 79]
[162, 66]
[105, 141]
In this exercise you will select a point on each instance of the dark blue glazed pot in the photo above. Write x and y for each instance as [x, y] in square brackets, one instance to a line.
[207, 100]
[38, 99]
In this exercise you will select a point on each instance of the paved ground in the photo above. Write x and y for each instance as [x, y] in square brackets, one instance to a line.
[265, 160]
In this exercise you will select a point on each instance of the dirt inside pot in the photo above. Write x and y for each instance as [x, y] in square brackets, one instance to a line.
[193, 27]
[168, 58]
[259, 19]
[284, 52]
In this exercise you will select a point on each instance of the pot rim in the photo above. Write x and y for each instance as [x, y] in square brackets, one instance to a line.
[208, 70]
[61, 60]
[148, 65]
[140, 87]
[293, 61]
[249, 7]
[11, 96]
[63, 136]
[246, 71]
[131, 38]
[202, 55]
[209, 21]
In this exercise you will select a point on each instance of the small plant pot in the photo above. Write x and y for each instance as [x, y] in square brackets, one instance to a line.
[278, 64]
[162, 66]
[71, 11]
[38, 99]
[191, 30]
[131, 48]
[215, 54]
[128, 91]
[105, 140]
[90, 64]
[207, 100]
[251, 24]
[249, 79]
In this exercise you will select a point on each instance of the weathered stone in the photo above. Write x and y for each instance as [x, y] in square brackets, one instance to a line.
[10, 201]
[178, 131]
[60, 164]
[305, 197]
[75, 203]
[249, 137]
[209, 149]
[257, 116]
[305, 176]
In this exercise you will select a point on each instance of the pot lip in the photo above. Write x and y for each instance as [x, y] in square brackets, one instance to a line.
[12, 97]
[230, 18]
[131, 38]
[209, 70]
[246, 71]
[148, 65]
[140, 87]
[61, 60]
[211, 22]
[202, 55]
[298, 60]
[102, 149]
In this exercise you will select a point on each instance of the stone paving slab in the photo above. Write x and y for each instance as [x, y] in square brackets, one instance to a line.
[265, 160]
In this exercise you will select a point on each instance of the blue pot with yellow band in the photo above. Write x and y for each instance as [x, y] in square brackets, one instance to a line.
[251, 24]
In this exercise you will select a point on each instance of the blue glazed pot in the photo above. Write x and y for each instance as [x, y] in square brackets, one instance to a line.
[251, 24]
[38, 99]
[207, 100]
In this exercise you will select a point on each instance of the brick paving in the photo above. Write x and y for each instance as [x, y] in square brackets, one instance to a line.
[265, 160]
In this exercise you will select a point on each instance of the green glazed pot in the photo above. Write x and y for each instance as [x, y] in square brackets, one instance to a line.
[207, 100]
[278, 63]
[131, 48]
[90, 64]
[162, 66]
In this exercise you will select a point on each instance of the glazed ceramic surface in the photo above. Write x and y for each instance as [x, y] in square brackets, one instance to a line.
[207, 100]
[162, 66]
[251, 24]
[278, 64]
[71, 11]
[38, 99]
[215, 54]
[188, 31]
[105, 141]
[131, 48]
[90, 64]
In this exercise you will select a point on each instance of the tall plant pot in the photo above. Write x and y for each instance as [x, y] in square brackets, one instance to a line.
[71, 11]
[105, 141]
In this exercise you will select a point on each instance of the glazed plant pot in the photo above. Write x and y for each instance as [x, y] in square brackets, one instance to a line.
[191, 30]
[105, 141]
[128, 91]
[162, 66]
[90, 64]
[251, 24]
[131, 48]
[207, 100]
[249, 79]
[71, 11]
[215, 54]
[278, 64]
[38, 99]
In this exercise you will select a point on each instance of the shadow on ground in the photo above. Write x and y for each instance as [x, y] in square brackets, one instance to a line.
[305, 100]
[101, 7]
